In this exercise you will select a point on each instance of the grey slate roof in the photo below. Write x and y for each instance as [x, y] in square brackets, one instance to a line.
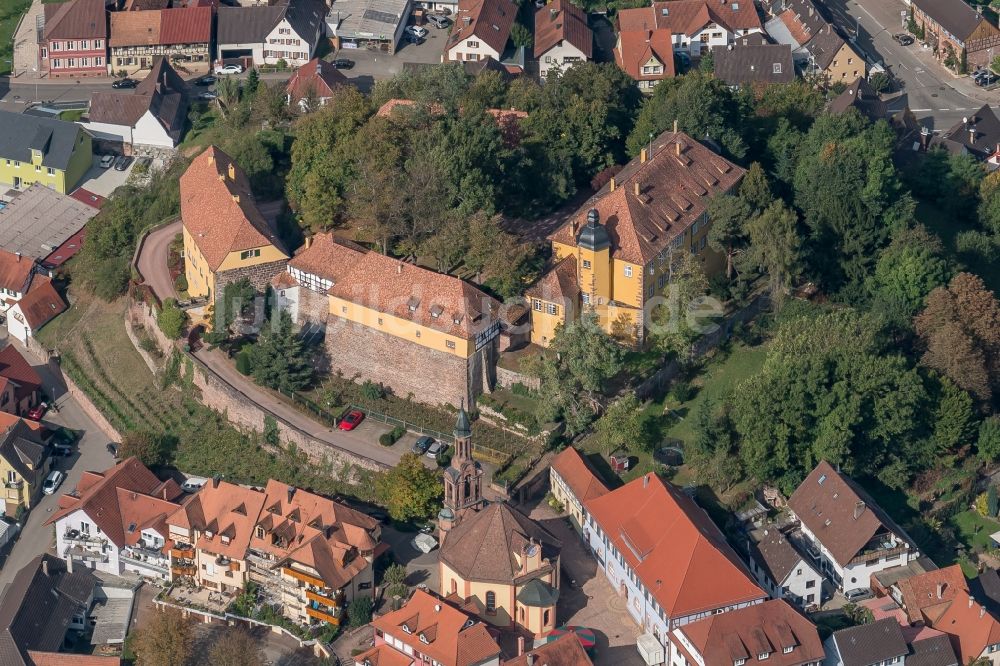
[955, 16]
[934, 651]
[162, 93]
[773, 553]
[979, 134]
[872, 643]
[762, 63]
[55, 138]
[246, 25]
[863, 97]
[23, 449]
[824, 46]
[36, 608]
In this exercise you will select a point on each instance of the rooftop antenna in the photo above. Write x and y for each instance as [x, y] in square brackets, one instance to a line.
[650, 155]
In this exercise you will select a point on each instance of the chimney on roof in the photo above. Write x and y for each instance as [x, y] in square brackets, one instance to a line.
[531, 660]
[308, 242]
[45, 566]
[637, 188]
[399, 268]
[982, 611]
[940, 590]
[18, 257]
[69, 565]
[613, 184]
[520, 645]
[645, 480]
[291, 494]
[971, 601]
[643, 156]
[678, 144]
[215, 481]
[859, 508]
[232, 171]
[437, 608]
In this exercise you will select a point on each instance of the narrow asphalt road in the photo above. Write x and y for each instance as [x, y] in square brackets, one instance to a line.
[153, 260]
[91, 454]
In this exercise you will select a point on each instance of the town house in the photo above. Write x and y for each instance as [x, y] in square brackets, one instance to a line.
[562, 36]
[50, 152]
[24, 463]
[952, 26]
[75, 39]
[183, 35]
[288, 30]
[573, 482]
[481, 30]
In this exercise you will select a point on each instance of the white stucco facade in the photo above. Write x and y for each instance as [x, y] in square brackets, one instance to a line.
[80, 539]
[802, 586]
[473, 49]
[283, 43]
[255, 48]
[857, 575]
[711, 35]
[562, 56]
[147, 132]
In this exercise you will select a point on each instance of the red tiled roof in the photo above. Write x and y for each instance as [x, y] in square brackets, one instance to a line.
[930, 589]
[564, 651]
[674, 548]
[639, 40]
[67, 659]
[970, 626]
[561, 21]
[449, 641]
[218, 210]
[573, 469]
[15, 271]
[223, 509]
[674, 185]
[743, 634]
[688, 17]
[41, 304]
[187, 25]
[119, 498]
[487, 20]
[66, 251]
[88, 197]
[76, 19]
[322, 79]
[14, 367]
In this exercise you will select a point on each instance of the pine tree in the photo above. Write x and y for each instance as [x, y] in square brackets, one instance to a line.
[253, 80]
[278, 358]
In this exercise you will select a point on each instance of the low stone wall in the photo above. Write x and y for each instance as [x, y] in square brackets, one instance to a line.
[508, 378]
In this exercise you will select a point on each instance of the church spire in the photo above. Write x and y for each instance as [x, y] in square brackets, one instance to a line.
[462, 426]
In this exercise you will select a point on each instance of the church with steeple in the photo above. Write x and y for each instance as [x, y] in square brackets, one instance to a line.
[495, 561]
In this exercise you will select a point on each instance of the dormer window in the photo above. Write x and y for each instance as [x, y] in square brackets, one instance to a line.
[406, 629]
[423, 639]
[413, 303]
[787, 650]
[225, 539]
[763, 655]
[436, 311]
[739, 662]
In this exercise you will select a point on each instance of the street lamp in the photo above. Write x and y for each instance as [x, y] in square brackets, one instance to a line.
[857, 27]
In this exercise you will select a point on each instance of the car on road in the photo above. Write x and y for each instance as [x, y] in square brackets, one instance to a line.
[206, 80]
[107, 161]
[38, 412]
[229, 69]
[435, 449]
[52, 482]
[208, 95]
[351, 421]
[416, 31]
[438, 21]
[903, 39]
[421, 445]
[343, 63]
[122, 163]
[124, 83]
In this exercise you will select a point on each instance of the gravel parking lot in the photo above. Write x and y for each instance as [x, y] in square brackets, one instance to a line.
[371, 66]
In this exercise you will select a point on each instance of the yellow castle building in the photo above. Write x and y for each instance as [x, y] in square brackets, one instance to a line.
[226, 238]
[614, 254]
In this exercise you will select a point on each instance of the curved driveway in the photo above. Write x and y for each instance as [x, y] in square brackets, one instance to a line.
[152, 262]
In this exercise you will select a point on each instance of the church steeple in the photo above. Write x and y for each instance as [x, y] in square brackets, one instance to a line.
[463, 436]
[463, 478]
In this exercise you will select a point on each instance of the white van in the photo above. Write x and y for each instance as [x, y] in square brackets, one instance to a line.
[193, 484]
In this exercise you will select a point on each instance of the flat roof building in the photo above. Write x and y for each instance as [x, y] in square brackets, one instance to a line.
[42, 224]
[357, 23]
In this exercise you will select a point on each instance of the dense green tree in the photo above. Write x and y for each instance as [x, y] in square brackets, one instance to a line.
[581, 359]
[410, 489]
[955, 420]
[235, 647]
[278, 359]
[520, 35]
[165, 639]
[624, 426]
[989, 203]
[250, 152]
[252, 82]
[144, 445]
[702, 106]
[850, 197]
[713, 451]
[728, 234]
[907, 271]
[359, 611]
[755, 189]
[831, 389]
[171, 319]
[775, 248]
[988, 444]
[965, 176]
[679, 321]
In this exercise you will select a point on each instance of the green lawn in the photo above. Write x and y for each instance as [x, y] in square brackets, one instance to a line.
[947, 229]
[974, 530]
[10, 14]
[71, 115]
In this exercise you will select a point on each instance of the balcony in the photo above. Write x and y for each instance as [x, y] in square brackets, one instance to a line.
[76, 537]
[182, 552]
[333, 601]
[184, 570]
[14, 485]
[84, 555]
[320, 615]
[158, 567]
[874, 555]
[304, 577]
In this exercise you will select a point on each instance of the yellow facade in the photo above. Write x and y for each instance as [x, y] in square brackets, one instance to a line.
[617, 290]
[18, 491]
[508, 611]
[200, 276]
[426, 336]
[20, 175]
[847, 66]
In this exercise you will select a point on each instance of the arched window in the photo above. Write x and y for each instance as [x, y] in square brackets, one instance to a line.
[545, 618]
[520, 614]
[491, 602]
[454, 586]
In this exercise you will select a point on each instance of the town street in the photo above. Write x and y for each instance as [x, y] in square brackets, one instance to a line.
[936, 97]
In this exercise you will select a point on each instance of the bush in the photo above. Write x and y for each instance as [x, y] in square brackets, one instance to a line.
[359, 611]
[181, 283]
[520, 389]
[444, 456]
[243, 364]
[977, 243]
[682, 391]
[385, 439]
[372, 391]
[171, 319]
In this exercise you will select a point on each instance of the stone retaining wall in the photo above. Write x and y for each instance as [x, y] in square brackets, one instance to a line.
[507, 378]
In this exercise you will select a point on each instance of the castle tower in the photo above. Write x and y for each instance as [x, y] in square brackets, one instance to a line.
[463, 478]
[594, 263]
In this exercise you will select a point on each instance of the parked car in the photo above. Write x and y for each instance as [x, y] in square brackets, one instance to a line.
[38, 412]
[416, 31]
[229, 69]
[52, 482]
[107, 161]
[858, 595]
[435, 449]
[208, 95]
[903, 39]
[124, 83]
[113, 449]
[343, 63]
[438, 21]
[62, 451]
[123, 163]
[985, 79]
[193, 484]
[206, 80]
[413, 39]
[351, 421]
[422, 444]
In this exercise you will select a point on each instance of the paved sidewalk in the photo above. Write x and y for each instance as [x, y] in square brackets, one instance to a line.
[26, 54]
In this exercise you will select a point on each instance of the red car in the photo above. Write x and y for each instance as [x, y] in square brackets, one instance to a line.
[351, 421]
[38, 412]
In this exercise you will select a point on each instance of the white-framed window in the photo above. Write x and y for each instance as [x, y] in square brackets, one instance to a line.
[586, 263]
[536, 305]
[56, 63]
[739, 662]
[776, 68]
[787, 650]
[98, 43]
[628, 271]
[586, 298]
[472, 44]
[551, 308]
[763, 655]
[98, 61]
[84, 45]
[56, 46]
[548, 58]
[70, 46]
[450, 344]
[71, 62]
[250, 254]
